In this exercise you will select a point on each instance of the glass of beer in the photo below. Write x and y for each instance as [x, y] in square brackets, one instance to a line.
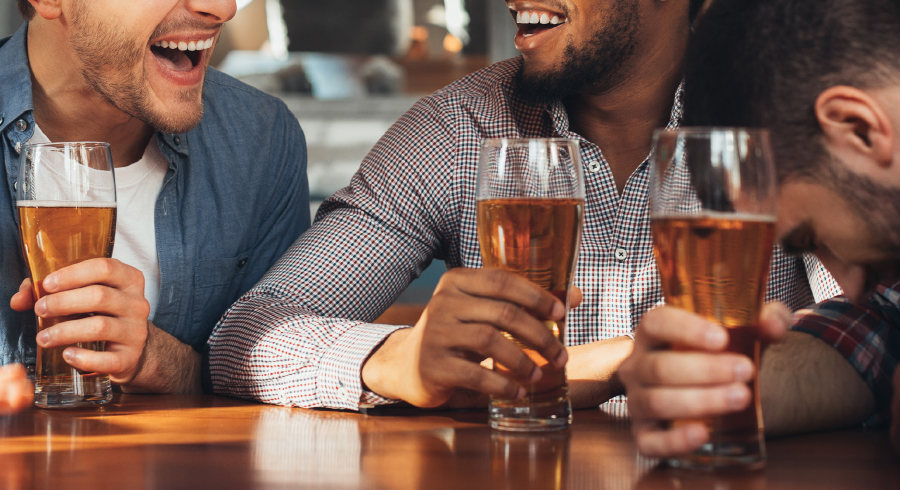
[530, 204]
[66, 199]
[712, 201]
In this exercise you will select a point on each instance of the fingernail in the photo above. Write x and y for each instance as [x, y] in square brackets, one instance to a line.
[716, 337]
[51, 282]
[23, 286]
[536, 374]
[737, 397]
[561, 359]
[559, 310]
[43, 338]
[68, 355]
[743, 370]
[520, 393]
[40, 308]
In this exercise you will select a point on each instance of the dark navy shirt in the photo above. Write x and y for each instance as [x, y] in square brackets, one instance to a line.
[233, 200]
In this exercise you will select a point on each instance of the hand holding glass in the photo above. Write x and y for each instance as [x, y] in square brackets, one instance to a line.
[530, 202]
[712, 197]
[67, 214]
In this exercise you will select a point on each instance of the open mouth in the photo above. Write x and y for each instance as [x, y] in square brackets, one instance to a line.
[531, 22]
[182, 55]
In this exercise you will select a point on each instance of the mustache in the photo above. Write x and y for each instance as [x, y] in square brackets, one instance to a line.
[189, 25]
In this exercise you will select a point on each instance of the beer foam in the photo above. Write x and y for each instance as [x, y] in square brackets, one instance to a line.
[64, 204]
[760, 218]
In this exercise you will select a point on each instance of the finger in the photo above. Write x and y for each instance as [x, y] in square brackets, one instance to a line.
[466, 375]
[91, 329]
[466, 399]
[666, 326]
[575, 297]
[685, 368]
[92, 299]
[518, 323]
[774, 321]
[12, 371]
[489, 342]
[23, 300]
[109, 272]
[666, 403]
[654, 442]
[503, 285]
[92, 361]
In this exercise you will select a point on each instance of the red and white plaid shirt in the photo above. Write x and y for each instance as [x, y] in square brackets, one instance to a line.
[300, 336]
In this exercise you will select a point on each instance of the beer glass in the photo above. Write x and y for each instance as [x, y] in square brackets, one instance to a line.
[66, 200]
[712, 201]
[530, 205]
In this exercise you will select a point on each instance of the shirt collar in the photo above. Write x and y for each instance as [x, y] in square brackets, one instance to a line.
[15, 78]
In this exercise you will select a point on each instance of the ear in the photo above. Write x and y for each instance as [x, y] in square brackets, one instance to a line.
[854, 123]
[48, 9]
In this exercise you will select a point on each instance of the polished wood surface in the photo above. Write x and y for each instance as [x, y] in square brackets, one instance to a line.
[173, 442]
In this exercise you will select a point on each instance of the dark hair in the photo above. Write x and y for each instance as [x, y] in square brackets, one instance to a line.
[25, 9]
[764, 62]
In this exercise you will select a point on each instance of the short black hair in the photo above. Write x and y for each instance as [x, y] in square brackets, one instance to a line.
[763, 63]
[26, 9]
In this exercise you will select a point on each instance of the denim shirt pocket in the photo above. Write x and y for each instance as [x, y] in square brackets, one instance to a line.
[218, 283]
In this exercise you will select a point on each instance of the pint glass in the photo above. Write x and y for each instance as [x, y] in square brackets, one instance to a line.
[530, 206]
[712, 197]
[66, 200]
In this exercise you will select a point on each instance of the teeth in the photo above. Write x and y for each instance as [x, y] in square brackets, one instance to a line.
[545, 19]
[534, 18]
[186, 45]
[554, 20]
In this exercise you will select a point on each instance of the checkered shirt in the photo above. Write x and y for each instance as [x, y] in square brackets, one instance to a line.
[300, 337]
[867, 334]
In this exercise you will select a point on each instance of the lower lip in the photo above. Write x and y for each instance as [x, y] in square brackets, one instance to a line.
[193, 76]
[534, 41]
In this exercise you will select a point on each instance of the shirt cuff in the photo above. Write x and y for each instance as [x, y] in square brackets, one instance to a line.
[339, 378]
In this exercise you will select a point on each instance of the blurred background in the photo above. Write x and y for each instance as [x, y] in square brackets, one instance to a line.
[349, 68]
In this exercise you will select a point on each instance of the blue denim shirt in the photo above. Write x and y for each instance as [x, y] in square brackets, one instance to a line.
[234, 198]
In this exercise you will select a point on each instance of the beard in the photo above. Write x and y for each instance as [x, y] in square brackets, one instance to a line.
[594, 67]
[875, 204]
[109, 71]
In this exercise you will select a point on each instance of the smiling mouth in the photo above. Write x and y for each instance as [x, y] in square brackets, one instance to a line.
[531, 22]
[181, 55]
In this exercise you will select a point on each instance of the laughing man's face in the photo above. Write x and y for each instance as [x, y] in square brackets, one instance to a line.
[149, 58]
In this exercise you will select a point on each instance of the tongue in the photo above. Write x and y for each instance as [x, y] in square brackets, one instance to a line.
[173, 59]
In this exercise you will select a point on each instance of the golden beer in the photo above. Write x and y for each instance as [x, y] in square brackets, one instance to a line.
[56, 235]
[717, 266]
[537, 239]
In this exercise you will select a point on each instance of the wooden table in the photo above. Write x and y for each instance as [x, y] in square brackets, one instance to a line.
[171, 442]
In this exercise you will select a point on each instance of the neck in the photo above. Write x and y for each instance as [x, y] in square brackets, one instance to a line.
[67, 108]
[621, 120]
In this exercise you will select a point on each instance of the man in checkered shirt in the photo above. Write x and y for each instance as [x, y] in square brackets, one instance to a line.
[836, 63]
[604, 73]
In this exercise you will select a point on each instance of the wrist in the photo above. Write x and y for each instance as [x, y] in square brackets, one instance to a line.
[382, 371]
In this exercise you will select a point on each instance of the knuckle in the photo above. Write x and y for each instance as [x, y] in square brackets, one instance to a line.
[498, 279]
[483, 338]
[656, 369]
[106, 267]
[507, 314]
[99, 295]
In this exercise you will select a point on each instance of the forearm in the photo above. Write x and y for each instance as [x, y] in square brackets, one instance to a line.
[592, 371]
[806, 385]
[168, 366]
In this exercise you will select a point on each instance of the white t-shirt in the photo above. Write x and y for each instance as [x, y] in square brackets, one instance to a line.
[137, 188]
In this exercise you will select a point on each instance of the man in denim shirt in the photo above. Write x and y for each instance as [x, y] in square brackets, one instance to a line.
[221, 168]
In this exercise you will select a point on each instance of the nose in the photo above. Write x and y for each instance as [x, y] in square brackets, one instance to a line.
[215, 10]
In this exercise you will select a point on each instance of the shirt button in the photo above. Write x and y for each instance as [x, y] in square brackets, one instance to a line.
[593, 166]
[21, 125]
[621, 254]
[242, 263]
[15, 186]
[177, 140]
[1, 119]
